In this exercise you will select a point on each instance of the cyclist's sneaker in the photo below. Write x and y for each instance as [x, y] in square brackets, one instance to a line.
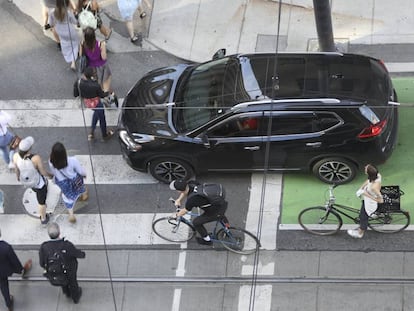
[203, 242]
[355, 233]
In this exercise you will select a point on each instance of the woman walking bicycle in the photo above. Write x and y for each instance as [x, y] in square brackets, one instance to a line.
[370, 192]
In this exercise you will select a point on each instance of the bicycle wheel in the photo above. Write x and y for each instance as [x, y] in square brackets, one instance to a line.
[238, 240]
[172, 230]
[317, 220]
[389, 221]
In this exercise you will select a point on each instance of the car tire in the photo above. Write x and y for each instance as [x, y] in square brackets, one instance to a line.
[335, 170]
[169, 169]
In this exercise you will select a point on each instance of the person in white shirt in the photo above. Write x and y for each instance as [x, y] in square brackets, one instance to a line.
[370, 193]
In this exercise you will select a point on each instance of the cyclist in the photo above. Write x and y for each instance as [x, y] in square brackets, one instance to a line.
[370, 192]
[209, 197]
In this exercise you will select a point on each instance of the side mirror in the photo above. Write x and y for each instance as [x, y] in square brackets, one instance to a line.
[219, 54]
[206, 142]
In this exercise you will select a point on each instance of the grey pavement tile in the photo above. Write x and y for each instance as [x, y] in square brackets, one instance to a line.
[408, 297]
[296, 264]
[148, 297]
[195, 263]
[294, 297]
[361, 265]
[39, 296]
[360, 297]
[144, 263]
[408, 265]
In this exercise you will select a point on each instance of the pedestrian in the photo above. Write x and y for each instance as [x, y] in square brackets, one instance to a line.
[95, 52]
[91, 93]
[31, 173]
[370, 192]
[67, 253]
[47, 8]
[9, 264]
[5, 138]
[64, 22]
[93, 6]
[69, 175]
[127, 9]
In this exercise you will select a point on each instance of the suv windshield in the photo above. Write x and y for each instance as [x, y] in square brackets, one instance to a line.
[208, 90]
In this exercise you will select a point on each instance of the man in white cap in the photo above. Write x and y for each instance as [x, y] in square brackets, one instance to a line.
[31, 173]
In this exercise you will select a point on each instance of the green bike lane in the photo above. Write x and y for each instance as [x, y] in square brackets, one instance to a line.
[303, 190]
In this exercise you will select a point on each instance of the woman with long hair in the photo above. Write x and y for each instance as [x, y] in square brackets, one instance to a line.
[69, 175]
[370, 193]
[64, 23]
[95, 52]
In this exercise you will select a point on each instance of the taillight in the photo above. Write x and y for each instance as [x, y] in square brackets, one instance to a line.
[373, 130]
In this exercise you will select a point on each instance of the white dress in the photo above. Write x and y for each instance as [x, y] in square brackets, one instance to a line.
[369, 204]
[68, 35]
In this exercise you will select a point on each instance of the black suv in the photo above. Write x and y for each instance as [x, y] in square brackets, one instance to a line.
[328, 113]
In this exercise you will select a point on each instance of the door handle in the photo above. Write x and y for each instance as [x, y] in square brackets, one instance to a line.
[317, 144]
[253, 148]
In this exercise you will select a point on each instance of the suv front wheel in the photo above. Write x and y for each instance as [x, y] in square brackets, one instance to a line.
[166, 170]
[335, 170]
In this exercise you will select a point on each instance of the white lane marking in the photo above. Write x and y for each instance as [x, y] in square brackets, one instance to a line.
[262, 298]
[119, 229]
[343, 228]
[271, 208]
[181, 263]
[108, 169]
[176, 300]
[53, 113]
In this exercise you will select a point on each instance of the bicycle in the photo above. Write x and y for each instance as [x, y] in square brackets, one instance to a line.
[181, 229]
[327, 220]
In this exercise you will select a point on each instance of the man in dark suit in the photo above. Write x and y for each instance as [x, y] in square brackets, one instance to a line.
[69, 253]
[9, 264]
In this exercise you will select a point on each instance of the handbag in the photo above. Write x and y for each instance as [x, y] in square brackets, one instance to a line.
[91, 103]
[14, 143]
[87, 19]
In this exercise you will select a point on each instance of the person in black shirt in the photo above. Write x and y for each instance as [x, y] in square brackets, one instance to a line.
[213, 209]
[71, 253]
[90, 90]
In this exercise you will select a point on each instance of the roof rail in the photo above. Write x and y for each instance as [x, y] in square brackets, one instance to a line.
[302, 100]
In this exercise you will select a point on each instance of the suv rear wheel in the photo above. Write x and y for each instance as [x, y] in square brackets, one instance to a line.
[166, 170]
[335, 170]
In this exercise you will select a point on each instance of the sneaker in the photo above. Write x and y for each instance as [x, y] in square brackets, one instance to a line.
[45, 221]
[26, 268]
[59, 47]
[355, 233]
[11, 165]
[203, 242]
[91, 137]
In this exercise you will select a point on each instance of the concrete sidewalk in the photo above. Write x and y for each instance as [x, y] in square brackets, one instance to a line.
[286, 280]
[195, 30]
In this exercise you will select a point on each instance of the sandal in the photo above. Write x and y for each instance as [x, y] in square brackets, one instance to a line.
[109, 36]
[143, 14]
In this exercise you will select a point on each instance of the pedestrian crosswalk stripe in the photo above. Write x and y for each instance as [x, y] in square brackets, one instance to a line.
[52, 113]
[107, 169]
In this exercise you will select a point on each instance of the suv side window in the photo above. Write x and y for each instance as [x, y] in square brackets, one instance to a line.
[291, 123]
[239, 126]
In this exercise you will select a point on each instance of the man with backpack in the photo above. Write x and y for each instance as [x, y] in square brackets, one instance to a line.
[209, 197]
[59, 259]
[31, 173]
